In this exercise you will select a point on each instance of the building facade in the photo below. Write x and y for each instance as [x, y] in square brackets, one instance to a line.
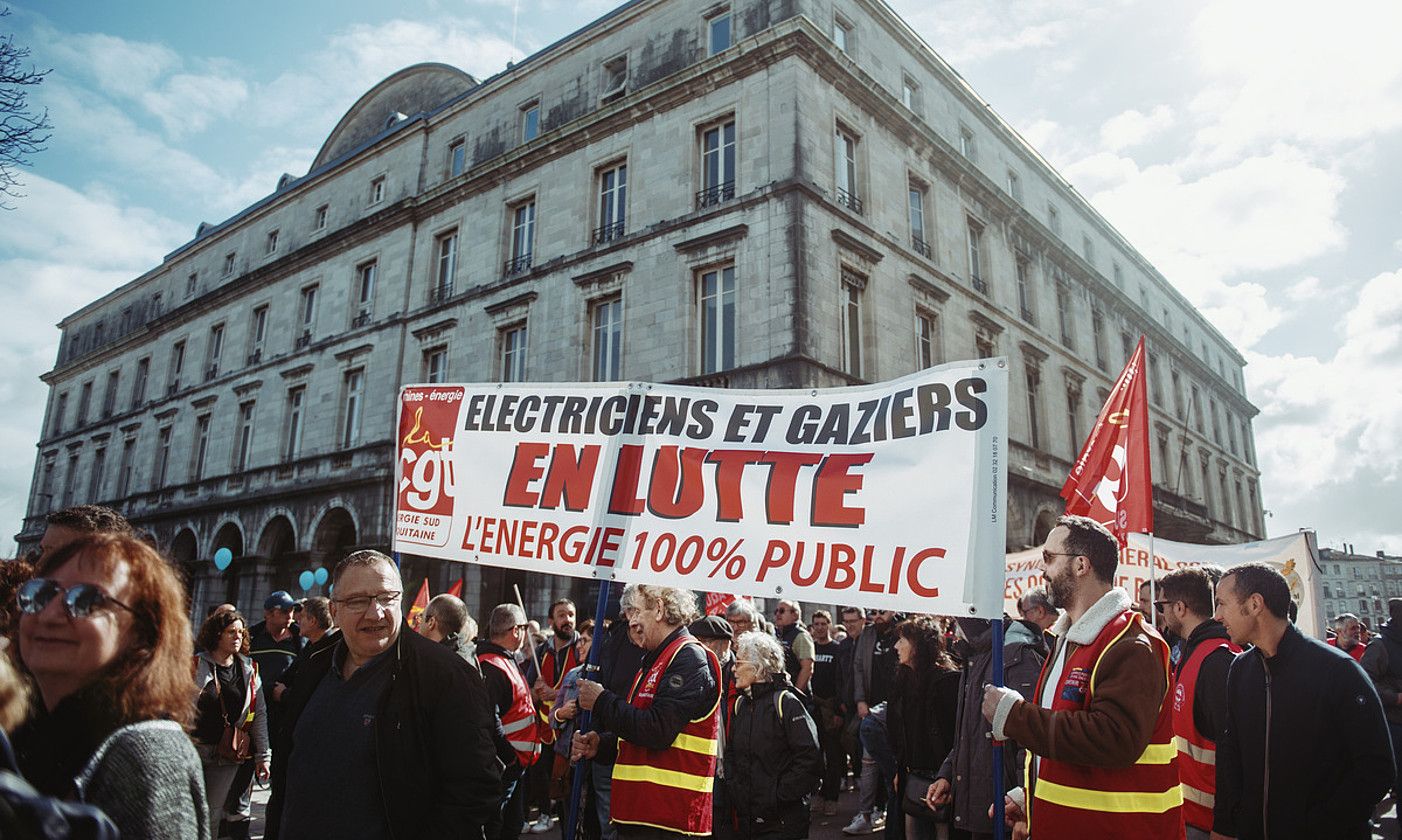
[1359, 584]
[755, 193]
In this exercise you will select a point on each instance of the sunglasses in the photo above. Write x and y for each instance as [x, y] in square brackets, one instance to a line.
[78, 600]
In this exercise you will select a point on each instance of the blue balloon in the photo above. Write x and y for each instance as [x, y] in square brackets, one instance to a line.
[321, 576]
[223, 558]
[306, 580]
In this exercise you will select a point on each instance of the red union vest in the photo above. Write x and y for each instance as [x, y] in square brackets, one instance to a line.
[554, 679]
[1076, 801]
[519, 722]
[1197, 754]
[668, 789]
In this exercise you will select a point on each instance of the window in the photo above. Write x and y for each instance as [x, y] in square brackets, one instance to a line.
[983, 346]
[1155, 386]
[229, 263]
[613, 202]
[243, 451]
[852, 288]
[1227, 517]
[377, 190]
[1087, 248]
[138, 385]
[1014, 186]
[1216, 426]
[845, 150]
[1118, 275]
[365, 276]
[124, 467]
[1177, 384]
[1025, 301]
[916, 194]
[155, 306]
[1246, 443]
[201, 451]
[966, 143]
[1073, 418]
[717, 164]
[607, 334]
[319, 222]
[292, 427]
[46, 482]
[1034, 423]
[84, 400]
[1162, 468]
[1126, 345]
[615, 79]
[522, 237]
[99, 474]
[1053, 220]
[214, 351]
[718, 33]
[910, 94]
[70, 479]
[976, 278]
[716, 308]
[457, 158]
[308, 312]
[436, 365]
[512, 341]
[160, 470]
[60, 409]
[446, 246]
[270, 247]
[109, 396]
[530, 122]
[353, 387]
[257, 333]
[841, 33]
[177, 366]
[927, 339]
[1244, 517]
[1197, 409]
[191, 283]
[1065, 317]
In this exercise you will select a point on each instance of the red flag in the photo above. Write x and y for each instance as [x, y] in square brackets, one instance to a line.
[1110, 481]
[456, 589]
[716, 602]
[420, 604]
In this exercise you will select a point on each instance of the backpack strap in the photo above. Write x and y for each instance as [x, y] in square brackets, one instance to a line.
[85, 777]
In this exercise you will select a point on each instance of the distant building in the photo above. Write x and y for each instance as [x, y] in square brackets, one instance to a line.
[1359, 584]
[760, 193]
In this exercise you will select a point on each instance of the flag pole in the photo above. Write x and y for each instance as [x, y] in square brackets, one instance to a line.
[585, 716]
[535, 658]
[999, 794]
[1153, 584]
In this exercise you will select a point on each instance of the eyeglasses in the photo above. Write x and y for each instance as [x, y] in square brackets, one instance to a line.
[1047, 554]
[78, 600]
[1159, 605]
[361, 603]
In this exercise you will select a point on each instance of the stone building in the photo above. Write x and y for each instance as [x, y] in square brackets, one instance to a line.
[1359, 584]
[753, 193]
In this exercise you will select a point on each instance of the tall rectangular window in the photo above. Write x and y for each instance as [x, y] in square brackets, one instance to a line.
[1177, 386]
[1216, 426]
[457, 158]
[160, 471]
[975, 234]
[70, 479]
[99, 474]
[229, 260]
[716, 307]
[319, 218]
[308, 312]
[292, 428]
[201, 450]
[910, 94]
[1246, 443]
[1025, 303]
[613, 202]
[512, 341]
[1054, 220]
[353, 388]
[191, 284]
[718, 33]
[1197, 409]
[436, 365]
[243, 449]
[1118, 274]
[109, 396]
[60, 409]
[717, 164]
[915, 194]
[125, 467]
[1155, 386]
[377, 190]
[615, 81]
[257, 333]
[966, 143]
[1014, 186]
[270, 245]
[446, 264]
[1227, 517]
[84, 401]
[848, 190]
[1034, 397]
[852, 288]
[841, 33]
[365, 277]
[1073, 419]
[607, 335]
[530, 122]
[927, 339]
[177, 365]
[1087, 248]
[138, 384]
[522, 237]
[214, 352]
[1066, 317]
[46, 483]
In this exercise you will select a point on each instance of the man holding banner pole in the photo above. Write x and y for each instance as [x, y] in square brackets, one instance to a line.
[1100, 734]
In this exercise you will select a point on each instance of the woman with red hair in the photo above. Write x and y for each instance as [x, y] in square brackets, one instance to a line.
[103, 636]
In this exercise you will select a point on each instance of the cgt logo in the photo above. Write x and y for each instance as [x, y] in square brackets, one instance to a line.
[427, 418]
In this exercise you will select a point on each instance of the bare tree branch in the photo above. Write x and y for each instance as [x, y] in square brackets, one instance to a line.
[23, 132]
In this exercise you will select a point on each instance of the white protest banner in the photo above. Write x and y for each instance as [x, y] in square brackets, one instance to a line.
[887, 495]
[1292, 555]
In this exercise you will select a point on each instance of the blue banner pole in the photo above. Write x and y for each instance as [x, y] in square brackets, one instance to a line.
[591, 669]
[999, 794]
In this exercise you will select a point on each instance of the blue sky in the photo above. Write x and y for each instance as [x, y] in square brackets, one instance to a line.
[1250, 149]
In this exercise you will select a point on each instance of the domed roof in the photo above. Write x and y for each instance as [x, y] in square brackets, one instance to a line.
[414, 90]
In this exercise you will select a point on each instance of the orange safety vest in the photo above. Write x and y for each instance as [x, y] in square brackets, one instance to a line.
[554, 680]
[1197, 754]
[520, 721]
[669, 789]
[1074, 800]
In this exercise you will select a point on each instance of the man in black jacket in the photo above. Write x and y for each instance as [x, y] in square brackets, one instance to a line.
[1382, 662]
[1304, 753]
[387, 735]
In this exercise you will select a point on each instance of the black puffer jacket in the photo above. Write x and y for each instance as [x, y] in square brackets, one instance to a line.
[772, 761]
[920, 718]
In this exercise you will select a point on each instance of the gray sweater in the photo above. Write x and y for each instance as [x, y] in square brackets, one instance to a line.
[147, 778]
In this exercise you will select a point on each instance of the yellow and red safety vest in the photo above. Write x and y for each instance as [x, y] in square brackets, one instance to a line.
[669, 789]
[1074, 800]
[1197, 754]
[520, 722]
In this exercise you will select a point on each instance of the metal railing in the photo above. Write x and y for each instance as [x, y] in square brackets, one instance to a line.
[979, 284]
[517, 265]
[303, 340]
[360, 320]
[712, 196]
[440, 293]
[849, 200]
[607, 233]
[921, 246]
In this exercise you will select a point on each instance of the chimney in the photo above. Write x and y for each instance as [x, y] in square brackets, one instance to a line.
[1380, 554]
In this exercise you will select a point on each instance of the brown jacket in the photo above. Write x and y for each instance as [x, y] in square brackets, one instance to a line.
[1130, 688]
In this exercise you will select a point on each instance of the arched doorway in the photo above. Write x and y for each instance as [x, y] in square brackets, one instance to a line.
[237, 583]
[185, 556]
[277, 546]
[333, 539]
[1046, 521]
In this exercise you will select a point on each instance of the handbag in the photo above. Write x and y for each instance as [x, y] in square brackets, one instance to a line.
[913, 798]
[234, 745]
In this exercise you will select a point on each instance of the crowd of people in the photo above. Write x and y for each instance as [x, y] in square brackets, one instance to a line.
[1198, 711]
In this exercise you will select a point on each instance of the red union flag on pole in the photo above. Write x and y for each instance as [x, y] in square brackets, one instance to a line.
[420, 604]
[1110, 481]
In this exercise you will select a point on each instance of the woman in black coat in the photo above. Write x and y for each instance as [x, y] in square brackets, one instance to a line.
[921, 720]
[771, 761]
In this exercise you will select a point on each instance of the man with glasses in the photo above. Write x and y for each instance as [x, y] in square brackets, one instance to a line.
[385, 733]
[517, 739]
[797, 644]
[854, 621]
[1037, 608]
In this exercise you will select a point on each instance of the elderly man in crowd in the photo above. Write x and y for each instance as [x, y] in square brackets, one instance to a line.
[666, 731]
[445, 620]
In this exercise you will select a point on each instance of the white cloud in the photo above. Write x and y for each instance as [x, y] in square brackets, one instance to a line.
[969, 31]
[1132, 127]
[1305, 289]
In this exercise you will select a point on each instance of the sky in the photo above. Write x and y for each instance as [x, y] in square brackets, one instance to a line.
[1251, 150]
